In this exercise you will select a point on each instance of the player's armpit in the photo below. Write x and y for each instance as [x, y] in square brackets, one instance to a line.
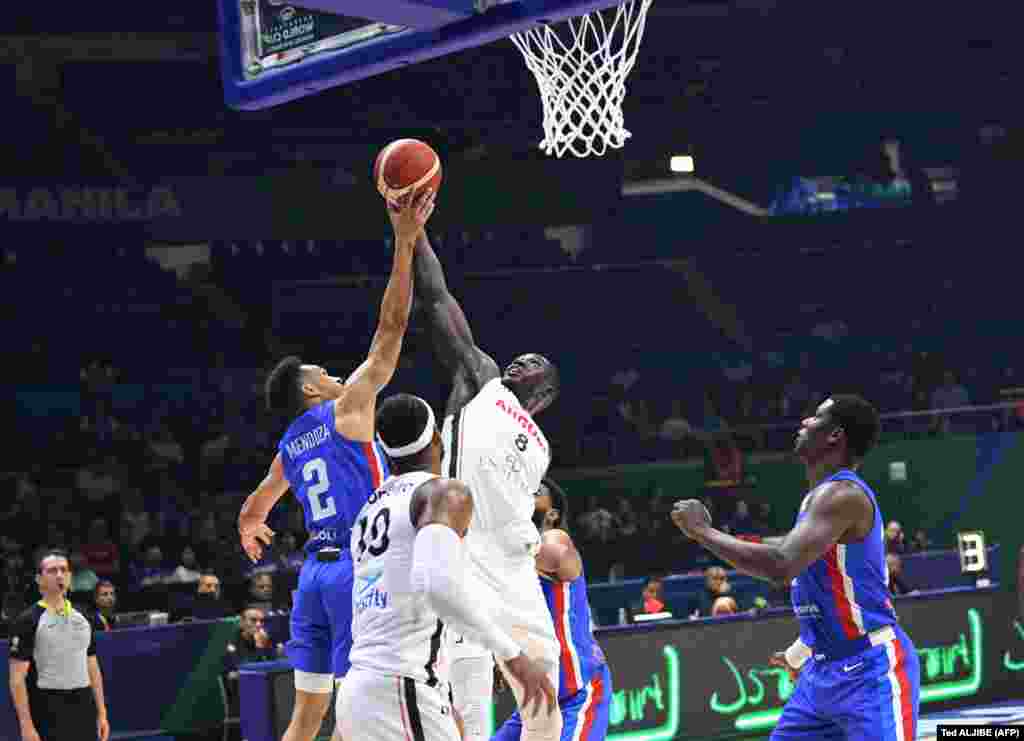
[832, 513]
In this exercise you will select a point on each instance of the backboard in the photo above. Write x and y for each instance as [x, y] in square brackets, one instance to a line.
[273, 51]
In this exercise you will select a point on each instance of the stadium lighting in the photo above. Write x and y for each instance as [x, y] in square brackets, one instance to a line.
[681, 163]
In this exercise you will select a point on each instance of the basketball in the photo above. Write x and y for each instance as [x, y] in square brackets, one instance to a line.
[404, 167]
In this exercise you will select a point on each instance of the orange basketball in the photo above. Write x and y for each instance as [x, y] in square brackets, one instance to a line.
[404, 167]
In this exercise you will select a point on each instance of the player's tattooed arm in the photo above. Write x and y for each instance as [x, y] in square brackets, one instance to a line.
[835, 510]
[453, 340]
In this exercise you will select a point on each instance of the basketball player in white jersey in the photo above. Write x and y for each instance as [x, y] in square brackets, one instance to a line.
[409, 569]
[493, 445]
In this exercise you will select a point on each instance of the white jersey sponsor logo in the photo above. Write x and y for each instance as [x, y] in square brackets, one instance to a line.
[393, 630]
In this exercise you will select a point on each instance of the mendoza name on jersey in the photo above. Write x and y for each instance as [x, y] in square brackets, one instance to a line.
[307, 441]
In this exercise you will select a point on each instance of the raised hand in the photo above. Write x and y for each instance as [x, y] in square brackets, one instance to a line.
[690, 516]
[408, 219]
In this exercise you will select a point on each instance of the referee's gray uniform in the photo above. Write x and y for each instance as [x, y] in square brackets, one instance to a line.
[58, 644]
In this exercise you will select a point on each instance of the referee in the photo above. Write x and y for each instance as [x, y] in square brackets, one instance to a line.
[53, 664]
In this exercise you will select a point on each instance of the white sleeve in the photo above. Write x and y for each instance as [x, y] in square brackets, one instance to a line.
[438, 573]
[797, 654]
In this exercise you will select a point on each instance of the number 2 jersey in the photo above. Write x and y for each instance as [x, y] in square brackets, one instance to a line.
[394, 632]
[331, 475]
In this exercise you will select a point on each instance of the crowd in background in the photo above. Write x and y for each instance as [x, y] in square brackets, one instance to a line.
[148, 513]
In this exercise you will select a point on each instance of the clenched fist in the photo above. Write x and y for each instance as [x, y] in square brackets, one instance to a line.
[691, 516]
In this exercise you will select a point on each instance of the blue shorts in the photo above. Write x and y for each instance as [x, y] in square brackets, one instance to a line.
[321, 619]
[585, 713]
[873, 694]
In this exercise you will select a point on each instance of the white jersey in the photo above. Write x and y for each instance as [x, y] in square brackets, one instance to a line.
[494, 447]
[394, 632]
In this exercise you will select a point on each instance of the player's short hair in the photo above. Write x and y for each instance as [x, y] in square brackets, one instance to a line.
[283, 388]
[401, 419]
[208, 572]
[50, 553]
[859, 420]
[559, 501]
[101, 584]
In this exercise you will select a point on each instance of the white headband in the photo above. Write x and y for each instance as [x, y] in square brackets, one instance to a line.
[419, 443]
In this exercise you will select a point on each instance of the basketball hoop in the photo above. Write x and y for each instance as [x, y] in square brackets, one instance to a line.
[582, 77]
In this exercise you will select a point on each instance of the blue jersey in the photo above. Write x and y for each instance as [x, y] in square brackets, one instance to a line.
[580, 655]
[845, 594]
[332, 476]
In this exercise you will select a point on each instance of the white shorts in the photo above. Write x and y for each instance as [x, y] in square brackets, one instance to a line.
[372, 707]
[516, 602]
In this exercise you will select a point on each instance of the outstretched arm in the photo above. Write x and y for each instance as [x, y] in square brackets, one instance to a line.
[832, 512]
[456, 349]
[354, 411]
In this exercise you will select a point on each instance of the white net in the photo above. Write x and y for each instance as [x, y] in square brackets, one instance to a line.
[581, 70]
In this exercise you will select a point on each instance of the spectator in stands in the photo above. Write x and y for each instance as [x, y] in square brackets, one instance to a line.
[676, 428]
[291, 557]
[762, 518]
[724, 606]
[716, 584]
[250, 645]
[150, 572]
[261, 591]
[164, 449]
[950, 395]
[99, 481]
[726, 459]
[16, 582]
[894, 539]
[207, 602]
[187, 570]
[654, 596]
[104, 613]
[713, 422]
[136, 522]
[741, 523]
[627, 518]
[598, 530]
[254, 643]
[920, 541]
[897, 584]
[100, 552]
[796, 395]
[83, 579]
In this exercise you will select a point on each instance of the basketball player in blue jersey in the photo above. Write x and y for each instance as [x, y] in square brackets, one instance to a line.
[859, 672]
[585, 681]
[329, 459]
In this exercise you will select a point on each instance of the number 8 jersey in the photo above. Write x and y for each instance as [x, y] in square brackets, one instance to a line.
[394, 632]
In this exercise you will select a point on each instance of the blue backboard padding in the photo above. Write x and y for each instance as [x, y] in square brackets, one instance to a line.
[380, 55]
[418, 14]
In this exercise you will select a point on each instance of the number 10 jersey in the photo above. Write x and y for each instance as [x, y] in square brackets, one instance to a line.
[394, 632]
